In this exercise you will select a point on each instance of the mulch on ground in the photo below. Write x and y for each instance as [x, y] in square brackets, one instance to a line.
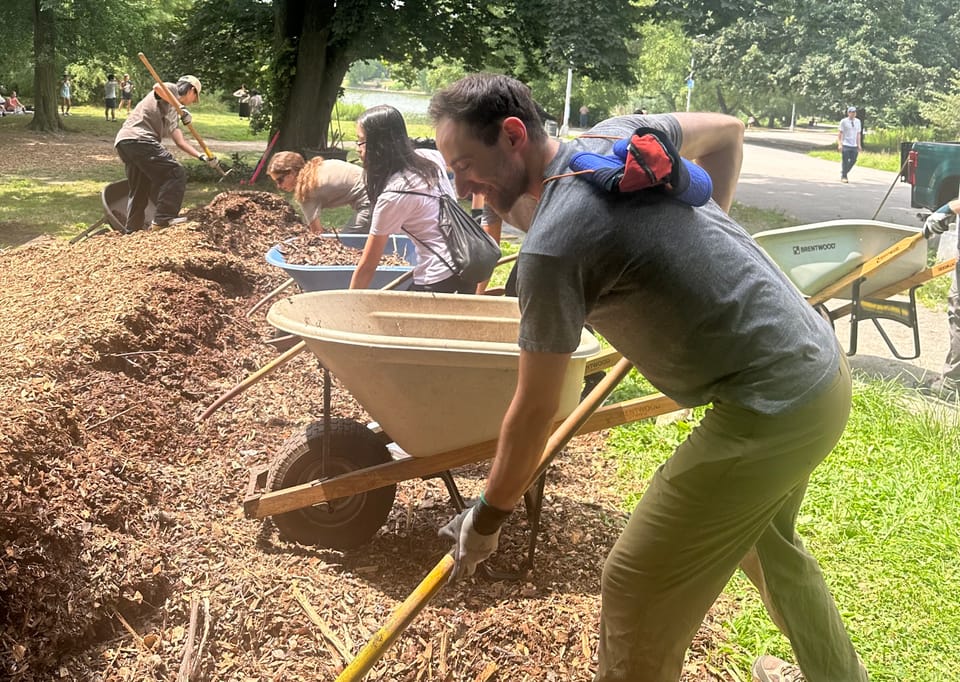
[120, 514]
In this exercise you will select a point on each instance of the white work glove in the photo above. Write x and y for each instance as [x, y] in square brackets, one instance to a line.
[470, 547]
[937, 223]
[185, 117]
[211, 161]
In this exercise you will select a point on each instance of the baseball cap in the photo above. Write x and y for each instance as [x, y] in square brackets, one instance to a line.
[192, 80]
[849, 109]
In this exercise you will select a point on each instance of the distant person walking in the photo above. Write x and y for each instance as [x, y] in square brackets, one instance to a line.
[584, 116]
[849, 142]
[110, 89]
[65, 95]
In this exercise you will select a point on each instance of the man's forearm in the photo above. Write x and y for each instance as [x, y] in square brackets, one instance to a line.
[715, 142]
[182, 143]
[526, 427]
[518, 453]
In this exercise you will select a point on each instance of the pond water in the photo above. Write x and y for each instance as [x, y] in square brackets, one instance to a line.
[405, 102]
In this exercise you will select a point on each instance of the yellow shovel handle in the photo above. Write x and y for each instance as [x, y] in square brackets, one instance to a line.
[399, 620]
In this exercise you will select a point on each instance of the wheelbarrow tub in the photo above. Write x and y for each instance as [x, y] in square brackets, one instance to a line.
[114, 197]
[816, 255]
[436, 371]
[328, 277]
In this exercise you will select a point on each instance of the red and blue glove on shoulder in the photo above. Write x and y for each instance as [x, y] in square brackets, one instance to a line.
[647, 160]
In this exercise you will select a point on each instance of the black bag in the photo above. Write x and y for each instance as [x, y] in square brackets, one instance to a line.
[473, 252]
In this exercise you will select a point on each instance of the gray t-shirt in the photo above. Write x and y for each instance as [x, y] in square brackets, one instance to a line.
[685, 293]
[110, 89]
[151, 120]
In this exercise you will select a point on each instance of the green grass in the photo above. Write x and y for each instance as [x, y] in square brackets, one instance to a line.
[880, 517]
[867, 159]
[933, 294]
[212, 120]
[759, 219]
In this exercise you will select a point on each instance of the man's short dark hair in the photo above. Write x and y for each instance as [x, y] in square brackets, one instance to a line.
[482, 101]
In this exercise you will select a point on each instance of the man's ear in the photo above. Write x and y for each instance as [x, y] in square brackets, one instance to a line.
[515, 131]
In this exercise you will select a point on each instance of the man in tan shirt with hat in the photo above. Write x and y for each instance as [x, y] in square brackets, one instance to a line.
[152, 171]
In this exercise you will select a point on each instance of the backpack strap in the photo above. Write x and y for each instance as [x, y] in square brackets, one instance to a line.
[420, 241]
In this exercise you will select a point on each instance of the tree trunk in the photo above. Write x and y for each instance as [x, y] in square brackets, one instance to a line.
[721, 101]
[302, 36]
[45, 118]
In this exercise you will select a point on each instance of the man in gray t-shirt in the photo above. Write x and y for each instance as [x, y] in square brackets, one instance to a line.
[686, 295]
[152, 172]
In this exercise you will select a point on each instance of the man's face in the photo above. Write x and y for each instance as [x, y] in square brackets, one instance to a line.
[852, 114]
[497, 171]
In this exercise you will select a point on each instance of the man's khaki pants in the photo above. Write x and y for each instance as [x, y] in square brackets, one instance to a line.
[728, 496]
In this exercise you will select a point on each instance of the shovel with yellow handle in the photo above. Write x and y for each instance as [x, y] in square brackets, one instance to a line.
[438, 576]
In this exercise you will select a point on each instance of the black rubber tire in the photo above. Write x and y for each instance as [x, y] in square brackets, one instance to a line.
[344, 523]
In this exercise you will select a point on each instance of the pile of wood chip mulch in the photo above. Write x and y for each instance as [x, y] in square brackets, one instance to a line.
[120, 514]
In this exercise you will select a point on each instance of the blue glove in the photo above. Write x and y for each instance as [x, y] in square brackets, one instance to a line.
[470, 547]
[185, 117]
[938, 223]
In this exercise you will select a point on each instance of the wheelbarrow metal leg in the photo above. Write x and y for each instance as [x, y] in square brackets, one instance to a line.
[455, 497]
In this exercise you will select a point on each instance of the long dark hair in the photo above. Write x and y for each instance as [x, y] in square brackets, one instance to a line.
[389, 150]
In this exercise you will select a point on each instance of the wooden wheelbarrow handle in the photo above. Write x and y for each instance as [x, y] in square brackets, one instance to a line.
[263, 301]
[440, 574]
[268, 368]
[886, 256]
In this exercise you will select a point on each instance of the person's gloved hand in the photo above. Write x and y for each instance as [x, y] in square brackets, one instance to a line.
[470, 547]
[937, 223]
[185, 117]
[211, 161]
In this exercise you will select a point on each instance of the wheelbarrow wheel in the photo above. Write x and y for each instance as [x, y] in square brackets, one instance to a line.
[343, 523]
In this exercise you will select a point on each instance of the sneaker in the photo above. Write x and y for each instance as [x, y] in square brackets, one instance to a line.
[941, 388]
[179, 220]
[844, 180]
[773, 669]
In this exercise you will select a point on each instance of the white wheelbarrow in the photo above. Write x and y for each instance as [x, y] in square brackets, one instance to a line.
[436, 372]
[865, 262]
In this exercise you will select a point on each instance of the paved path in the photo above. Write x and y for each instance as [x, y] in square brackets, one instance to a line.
[809, 189]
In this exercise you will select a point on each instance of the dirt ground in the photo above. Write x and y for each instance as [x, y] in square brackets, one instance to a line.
[120, 513]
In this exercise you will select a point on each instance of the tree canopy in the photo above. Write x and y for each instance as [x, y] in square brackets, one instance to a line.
[303, 61]
[824, 56]
[751, 57]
